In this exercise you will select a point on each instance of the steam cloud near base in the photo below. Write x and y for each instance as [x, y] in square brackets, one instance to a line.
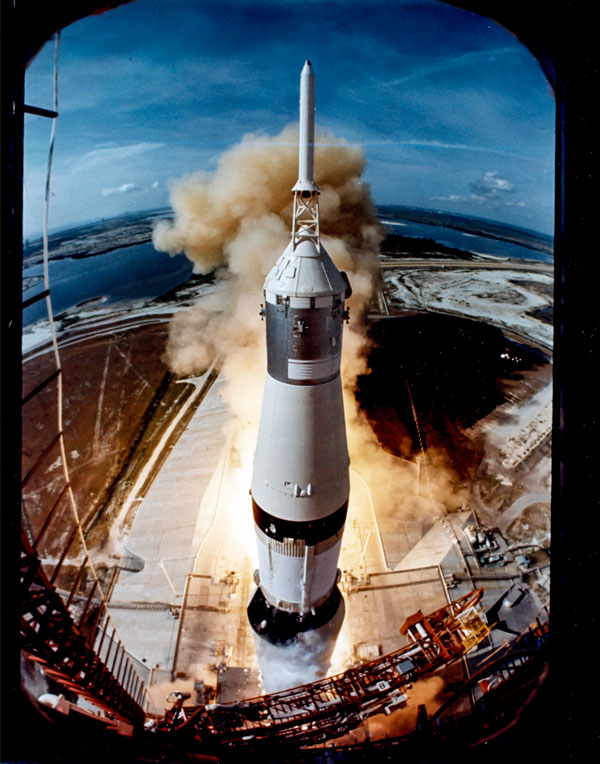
[305, 659]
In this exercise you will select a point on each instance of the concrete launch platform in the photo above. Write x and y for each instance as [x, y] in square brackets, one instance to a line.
[183, 616]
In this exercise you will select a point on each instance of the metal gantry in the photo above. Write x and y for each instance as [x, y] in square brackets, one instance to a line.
[66, 650]
[65, 624]
[330, 707]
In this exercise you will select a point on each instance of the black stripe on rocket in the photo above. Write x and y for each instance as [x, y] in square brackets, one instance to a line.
[310, 531]
[281, 627]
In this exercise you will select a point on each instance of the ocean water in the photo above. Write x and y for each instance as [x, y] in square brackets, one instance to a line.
[139, 271]
[127, 273]
[394, 222]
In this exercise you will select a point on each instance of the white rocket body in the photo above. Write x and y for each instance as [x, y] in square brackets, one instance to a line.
[300, 484]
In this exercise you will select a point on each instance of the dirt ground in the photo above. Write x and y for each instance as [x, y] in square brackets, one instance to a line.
[119, 395]
[116, 393]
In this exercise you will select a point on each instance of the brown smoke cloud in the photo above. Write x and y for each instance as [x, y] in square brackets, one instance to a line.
[238, 220]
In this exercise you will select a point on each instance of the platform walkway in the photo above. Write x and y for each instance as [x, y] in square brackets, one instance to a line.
[167, 532]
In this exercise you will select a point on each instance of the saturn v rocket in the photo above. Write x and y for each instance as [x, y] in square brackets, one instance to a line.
[300, 483]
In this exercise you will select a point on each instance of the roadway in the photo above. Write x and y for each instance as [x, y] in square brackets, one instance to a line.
[515, 509]
[447, 263]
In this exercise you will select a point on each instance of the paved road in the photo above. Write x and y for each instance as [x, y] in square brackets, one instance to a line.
[494, 265]
[518, 506]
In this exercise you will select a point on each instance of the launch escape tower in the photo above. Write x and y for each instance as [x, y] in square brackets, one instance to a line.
[300, 484]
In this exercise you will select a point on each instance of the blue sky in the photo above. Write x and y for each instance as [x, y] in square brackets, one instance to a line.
[452, 112]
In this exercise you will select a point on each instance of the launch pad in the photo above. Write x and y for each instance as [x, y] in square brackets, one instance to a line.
[187, 570]
[190, 566]
[183, 615]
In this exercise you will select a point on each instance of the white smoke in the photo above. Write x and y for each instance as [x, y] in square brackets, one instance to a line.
[303, 660]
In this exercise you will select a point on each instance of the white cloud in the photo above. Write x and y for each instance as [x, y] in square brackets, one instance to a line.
[126, 188]
[491, 187]
[100, 157]
[450, 198]
[453, 62]
[491, 190]
[462, 147]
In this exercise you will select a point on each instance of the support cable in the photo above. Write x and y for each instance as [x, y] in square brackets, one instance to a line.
[78, 528]
[421, 446]
[445, 522]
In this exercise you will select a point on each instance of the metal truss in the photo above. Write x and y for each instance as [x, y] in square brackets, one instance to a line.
[50, 637]
[330, 707]
[306, 217]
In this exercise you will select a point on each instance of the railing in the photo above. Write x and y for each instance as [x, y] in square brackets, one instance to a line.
[329, 707]
[69, 649]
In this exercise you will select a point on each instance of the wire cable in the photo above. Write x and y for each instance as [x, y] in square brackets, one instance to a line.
[55, 349]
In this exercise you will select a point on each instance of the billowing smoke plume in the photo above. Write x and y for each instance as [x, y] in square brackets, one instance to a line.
[302, 660]
[238, 221]
[241, 217]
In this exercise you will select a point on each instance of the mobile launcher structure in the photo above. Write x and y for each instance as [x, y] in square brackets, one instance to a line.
[330, 707]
